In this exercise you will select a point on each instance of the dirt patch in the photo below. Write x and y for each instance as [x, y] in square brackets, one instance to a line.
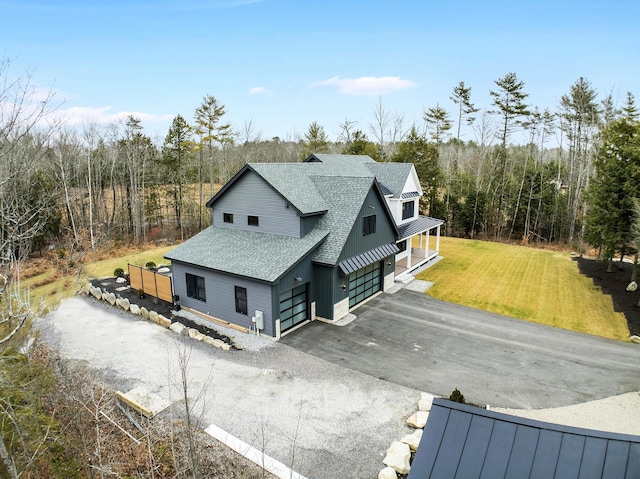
[615, 284]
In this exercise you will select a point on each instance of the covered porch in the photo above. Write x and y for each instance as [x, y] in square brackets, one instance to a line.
[419, 243]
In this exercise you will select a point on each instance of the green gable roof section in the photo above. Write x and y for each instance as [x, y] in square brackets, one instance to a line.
[392, 175]
[288, 179]
[292, 181]
[262, 256]
[345, 196]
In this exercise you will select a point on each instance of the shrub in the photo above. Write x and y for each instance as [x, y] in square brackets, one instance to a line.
[150, 265]
[457, 396]
[118, 272]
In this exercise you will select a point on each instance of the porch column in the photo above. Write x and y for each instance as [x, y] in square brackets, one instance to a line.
[438, 240]
[409, 248]
[427, 248]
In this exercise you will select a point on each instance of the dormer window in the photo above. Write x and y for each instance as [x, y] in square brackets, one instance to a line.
[408, 209]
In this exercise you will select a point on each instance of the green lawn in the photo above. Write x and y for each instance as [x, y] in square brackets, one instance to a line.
[526, 283]
[48, 289]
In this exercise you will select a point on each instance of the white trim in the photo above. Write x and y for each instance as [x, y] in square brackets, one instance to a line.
[268, 463]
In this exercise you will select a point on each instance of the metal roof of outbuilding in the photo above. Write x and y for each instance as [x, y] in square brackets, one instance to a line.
[466, 441]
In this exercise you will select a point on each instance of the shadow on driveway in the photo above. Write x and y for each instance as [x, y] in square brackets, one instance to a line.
[413, 340]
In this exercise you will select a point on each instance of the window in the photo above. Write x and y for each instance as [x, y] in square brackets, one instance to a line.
[252, 220]
[241, 300]
[368, 225]
[195, 287]
[408, 209]
[227, 217]
[402, 246]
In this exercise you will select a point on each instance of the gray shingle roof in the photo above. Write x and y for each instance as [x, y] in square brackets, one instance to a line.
[466, 441]
[391, 175]
[292, 181]
[423, 223]
[244, 252]
[344, 208]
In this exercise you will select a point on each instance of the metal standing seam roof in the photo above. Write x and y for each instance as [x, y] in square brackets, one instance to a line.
[420, 225]
[410, 194]
[473, 443]
[357, 262]
[243, 253]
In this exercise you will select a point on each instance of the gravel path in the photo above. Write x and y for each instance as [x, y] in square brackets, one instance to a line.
[615, 414]
[324, 420]
[321, 419]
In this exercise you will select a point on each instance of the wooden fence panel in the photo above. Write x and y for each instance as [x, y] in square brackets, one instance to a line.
[165, 291]
[151, 283]
[135, 277]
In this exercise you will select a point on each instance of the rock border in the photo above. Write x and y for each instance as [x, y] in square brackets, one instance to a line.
[400, 454]
[153, 316]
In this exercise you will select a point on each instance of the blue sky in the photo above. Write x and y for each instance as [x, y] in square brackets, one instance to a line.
[283, 64]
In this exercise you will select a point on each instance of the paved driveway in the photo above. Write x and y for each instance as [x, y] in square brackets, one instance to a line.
[413, 340]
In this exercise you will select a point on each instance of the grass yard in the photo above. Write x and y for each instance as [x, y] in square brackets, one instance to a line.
[46, 286]
[533, 284]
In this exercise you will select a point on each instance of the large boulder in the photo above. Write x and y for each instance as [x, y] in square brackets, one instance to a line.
[109, 298]
[195, 334]
[418, 419]
[96, 292]
[121, 280]
[153, 316]
[633, 286]
[425, 402]
[398, 456]
[162, 321]
[144, 312]
[413, 439]
[134, 308]
[177, 328]
[387, 473]
[216, 342]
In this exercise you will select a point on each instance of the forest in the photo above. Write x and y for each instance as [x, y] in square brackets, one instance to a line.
[70, 188]
[566, 177]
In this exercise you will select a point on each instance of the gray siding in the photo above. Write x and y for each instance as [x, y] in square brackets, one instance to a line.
[327, 290]
[220, 295]
[308, 223]
[250, 195]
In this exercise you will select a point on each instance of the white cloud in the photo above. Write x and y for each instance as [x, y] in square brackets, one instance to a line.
[367, 85]
[78, 115]
[259, 90]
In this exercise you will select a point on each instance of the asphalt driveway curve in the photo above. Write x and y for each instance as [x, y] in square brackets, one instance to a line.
[411, 339]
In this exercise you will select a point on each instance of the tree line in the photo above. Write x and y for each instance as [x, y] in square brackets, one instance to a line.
[80, 187]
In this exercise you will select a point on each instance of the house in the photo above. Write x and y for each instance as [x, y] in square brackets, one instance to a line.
[466, 441]
[292, 242]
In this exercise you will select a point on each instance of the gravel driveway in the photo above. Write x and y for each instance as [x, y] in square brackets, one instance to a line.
[320, 418]
[324, 420]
